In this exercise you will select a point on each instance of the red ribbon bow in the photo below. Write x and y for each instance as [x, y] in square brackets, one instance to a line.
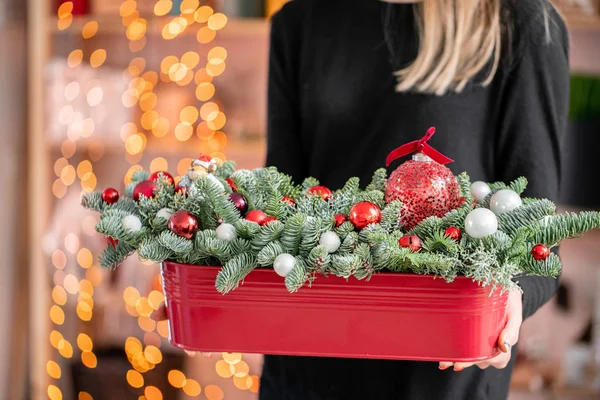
[419, 146]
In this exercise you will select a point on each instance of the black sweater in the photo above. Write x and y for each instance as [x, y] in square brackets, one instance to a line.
[333, 113]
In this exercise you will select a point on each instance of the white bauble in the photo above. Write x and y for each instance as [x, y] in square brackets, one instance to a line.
[480, 223]
[284, 264]
[131, 223]
[480, 190]
[226, 232]
[505, 200]
[164, 213]
[331, 241]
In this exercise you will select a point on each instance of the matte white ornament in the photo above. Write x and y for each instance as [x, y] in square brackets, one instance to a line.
[164, 213]
[480, 190]
[505, 200]
[284, 264]
[480, 223]
[131, 223]
[226, 232]
[331, 241]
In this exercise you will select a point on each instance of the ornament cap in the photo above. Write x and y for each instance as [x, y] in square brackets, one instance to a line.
[421, 157]
[419, 146]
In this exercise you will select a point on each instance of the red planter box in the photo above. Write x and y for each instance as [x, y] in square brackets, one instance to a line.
[392, 316]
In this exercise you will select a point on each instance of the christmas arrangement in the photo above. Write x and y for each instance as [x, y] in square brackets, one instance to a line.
[421, 219]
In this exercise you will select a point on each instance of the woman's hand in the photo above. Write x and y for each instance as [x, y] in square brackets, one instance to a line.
[160, 315]
[508, 337]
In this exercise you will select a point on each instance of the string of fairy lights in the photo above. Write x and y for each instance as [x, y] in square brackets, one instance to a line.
[206, 121]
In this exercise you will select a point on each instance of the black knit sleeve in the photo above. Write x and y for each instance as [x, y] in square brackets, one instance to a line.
[532, 122]
[284, 143]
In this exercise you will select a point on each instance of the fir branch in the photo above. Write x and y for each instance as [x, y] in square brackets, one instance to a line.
[93, 201]
[379, 181]
[368, 231]
[246, 229]
[239, 246]
[225, 170]
[551, 266]
[344, 265]
[308, 183]
[344, 229]
[151, 249]
[267, 255]
[374, 196]
[223, 208]
[234, 272]
[440, 243]
[139, 175]
[366, 267]
[297, 276]
[352, 186]
[292, 233]
[427, 228]
[561, 227]
[464, 183]
[310, 236]
[267, 233]
[318, 260]
[209, 246]
[518, 185]
[111, 224]
[525, 215]
[349, 243]
[176, 244]
[390, 216]
[112, 257]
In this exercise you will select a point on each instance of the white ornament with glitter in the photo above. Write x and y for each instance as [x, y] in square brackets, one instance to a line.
[132, 224]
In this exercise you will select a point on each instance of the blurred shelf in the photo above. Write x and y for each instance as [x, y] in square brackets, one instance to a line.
[112, 25]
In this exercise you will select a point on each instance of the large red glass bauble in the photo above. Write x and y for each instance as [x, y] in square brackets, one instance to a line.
[155, 176]
[145, 188]
[364, 214]
[183, 224]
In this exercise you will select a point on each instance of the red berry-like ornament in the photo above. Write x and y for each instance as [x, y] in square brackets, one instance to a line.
[540, 252]
[240, 202]
[145, 188]
[410, 241]
[110, 196]
[288, 200]
[323, 192]
[231, 184]
[180, 189]
[364, 214]
[183, 224]
[339, 219]
[453, 233]
[268, 220]
[155, 176]
[113, 242]
[257, 216]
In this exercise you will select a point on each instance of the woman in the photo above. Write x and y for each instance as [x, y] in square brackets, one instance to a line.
[350, 80]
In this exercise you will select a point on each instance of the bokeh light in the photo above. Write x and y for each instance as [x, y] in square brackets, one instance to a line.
[53, 369]
[54, 393]
[59, 295]
[89, 30]
[176, 378]
[89, 359]
[75, 58]
[153, 393]
[217, 21]
[192, 388]
[97, 58]
[135, 379]
[213, 392]
[57, 315]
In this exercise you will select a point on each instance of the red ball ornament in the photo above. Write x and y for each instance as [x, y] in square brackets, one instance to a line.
[540, 252]
[155, 176]
[410, 241]
[240, 202]
[180, 189]
[453, 233]
[321, 191]
[339, 219]
[145, 188]
[288, 200]
[424, 185]
[183, 224]
[110, 196]
[364, 214]
[257, 216]
[268, 220]
[113, 242]
[231, 184]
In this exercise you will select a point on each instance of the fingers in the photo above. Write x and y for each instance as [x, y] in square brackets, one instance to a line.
[160, 314]
[445, 365]
[461, 366]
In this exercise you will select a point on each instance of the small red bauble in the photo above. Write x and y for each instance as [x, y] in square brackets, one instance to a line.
[183, 224]
[268, 220]
[321, 191]
[231, 184]
[180, 189]
[339, 219]
[240, 202]
[110, 196]
[145, 188]
[257, 216]
[113, 242]
[540, 252]
[364, 214]
[410, 241]
[288, 200]
[155, 176]
[453, 233]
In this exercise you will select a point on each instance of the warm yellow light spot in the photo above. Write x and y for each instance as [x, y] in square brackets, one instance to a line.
[138, 84]
[130, 97]
[127, 181]
[162, 327]
[162, 7]
[135, 379]
[153, 393]
[84, 342]
[85, 258]
[177, 72]
[89, 30]
[215, 67]
[218, 53]
[176, 378]
[84, 311]
[59, 189]
[128, 129]
[202, 76]
[64, 23]
[209, 111]
[218, 122]
[205, 91]
[140, 364]
[213, 392]
[241, 369]
[65, 115]
[192, 388]
[71, 284]
[131, 295]
[54, 393]
[137, 45]
[89, 182]
[159, 164]
[143, 306]
[255, 384]
[65, 349]
[59, 295]
[59, 165]
[65, 9]
[155, 298]
[146, 324]
[68, 148]
[178, 25]
[189, 6]
[224, 370]
[148, 101]
[183, 165]
[217, 21]
[59, 259]
[86, 287]
[94, 275]
[217, 142]
[151, 76]
[205, 35]
[136, 30]
[167, 63]
[189, 114]
[148, 119]
[134, 143]
[96, 150]
[189, 77]
[232, 358]
[133, 346]
[55, 338]
[89, 359]
[72, 90]
[127, 8]
[59, 277]
[202, 14]
[242, 383]
[74, 58]
[136, 66]
[97, 58]
[128, 19]
[72, 240]
[203, 131]
[87, 127]
[153, 354]
[53, 369]
[161, 128]
[190, 59]
[84, 396]
[142, 398]
[219, 157]
[166, 32]
[83, 168]
[183, 131]
[131, 310]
